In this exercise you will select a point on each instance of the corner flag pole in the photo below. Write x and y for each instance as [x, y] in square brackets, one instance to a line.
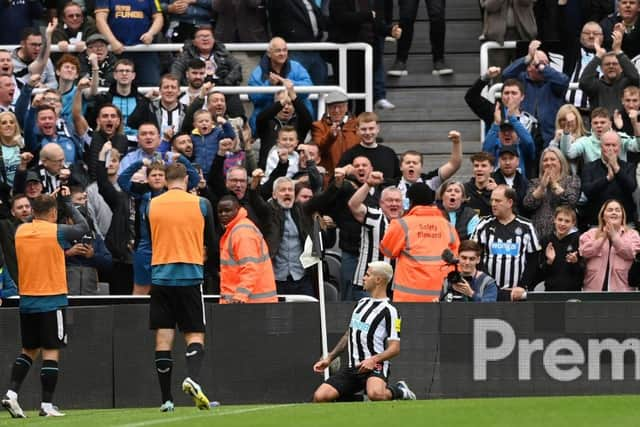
[318, 251]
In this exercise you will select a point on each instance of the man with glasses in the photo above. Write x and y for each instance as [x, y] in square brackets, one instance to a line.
[73, 31]
[98, 44]
[275, 69]
[617, 73]
[577, 56]
[624, 20]
[129, 23]
[32, 57]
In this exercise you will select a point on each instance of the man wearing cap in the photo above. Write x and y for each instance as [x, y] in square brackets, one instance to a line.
[417, 240]
[509, 175]
[336, 132]
[510, 131]
[98, 44]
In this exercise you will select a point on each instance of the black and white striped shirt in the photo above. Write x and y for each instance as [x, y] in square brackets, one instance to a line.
[373, 229]
[373, 322]
[505, 247]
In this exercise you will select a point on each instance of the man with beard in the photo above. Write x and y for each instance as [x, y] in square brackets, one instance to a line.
[124, 95]
[195, 76]
[32, 57]
[375, 221]
[288, 229]
[221, 67]
[509, 175]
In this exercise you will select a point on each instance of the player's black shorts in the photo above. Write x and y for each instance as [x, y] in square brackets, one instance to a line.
[349, 382]
[43, 330]
[177, 305]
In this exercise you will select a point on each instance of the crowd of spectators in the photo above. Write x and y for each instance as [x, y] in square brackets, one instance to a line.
[553, 194]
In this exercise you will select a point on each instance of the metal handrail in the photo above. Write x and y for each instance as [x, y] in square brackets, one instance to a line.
[342, 49]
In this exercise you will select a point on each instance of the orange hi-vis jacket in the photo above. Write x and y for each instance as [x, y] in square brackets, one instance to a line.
[178, 237]
[40, 260]
[417, 241]
[246, 273]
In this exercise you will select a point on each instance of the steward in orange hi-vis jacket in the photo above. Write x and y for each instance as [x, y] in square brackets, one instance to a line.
[417, 240]
[246, 273]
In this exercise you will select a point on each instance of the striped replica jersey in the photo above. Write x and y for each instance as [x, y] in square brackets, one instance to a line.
[505, 247]
[373, 229]
[373, 322]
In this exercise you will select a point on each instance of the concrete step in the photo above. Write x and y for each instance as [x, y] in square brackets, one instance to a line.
[433, 134]
[432, 104]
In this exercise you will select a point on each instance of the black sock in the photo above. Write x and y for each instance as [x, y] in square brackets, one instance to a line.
[194, 356]
[48, 379]
[164, 366]
[396, 392]
[19, 371]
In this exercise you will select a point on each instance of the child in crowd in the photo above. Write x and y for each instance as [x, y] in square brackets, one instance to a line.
[206, 137]
[560, 266]
[284, 150]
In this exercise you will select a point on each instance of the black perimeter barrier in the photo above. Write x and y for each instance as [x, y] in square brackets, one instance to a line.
[264, 353]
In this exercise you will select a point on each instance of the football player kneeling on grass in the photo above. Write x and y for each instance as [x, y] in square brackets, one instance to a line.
[368, 366]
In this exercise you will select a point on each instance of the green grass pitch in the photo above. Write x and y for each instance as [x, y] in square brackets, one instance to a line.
[581, 411]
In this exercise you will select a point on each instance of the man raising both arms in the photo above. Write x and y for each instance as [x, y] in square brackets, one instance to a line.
[182, 228]
[369, 357]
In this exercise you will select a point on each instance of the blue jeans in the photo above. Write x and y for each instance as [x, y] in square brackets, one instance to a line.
[347, 269]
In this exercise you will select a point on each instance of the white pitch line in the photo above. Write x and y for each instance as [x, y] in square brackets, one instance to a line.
[215, 414]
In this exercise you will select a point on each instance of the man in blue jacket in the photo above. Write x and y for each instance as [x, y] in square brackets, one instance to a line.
[545, 87]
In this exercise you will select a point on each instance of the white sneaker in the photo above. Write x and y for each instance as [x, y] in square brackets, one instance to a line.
[13, 407]
[194, 390]
[407, 394]
[384, 104]
[50, 411]
[167, 406]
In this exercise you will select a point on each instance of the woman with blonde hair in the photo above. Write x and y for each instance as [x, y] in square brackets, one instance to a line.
[451, 198]
[11, 142]
[554, 187]
[609, 250]
[569, 127]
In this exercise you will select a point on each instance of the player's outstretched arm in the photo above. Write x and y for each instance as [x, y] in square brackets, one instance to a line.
[324, 362]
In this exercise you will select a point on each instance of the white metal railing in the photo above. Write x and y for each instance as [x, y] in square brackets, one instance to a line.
[342, 49]
[123, 299]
